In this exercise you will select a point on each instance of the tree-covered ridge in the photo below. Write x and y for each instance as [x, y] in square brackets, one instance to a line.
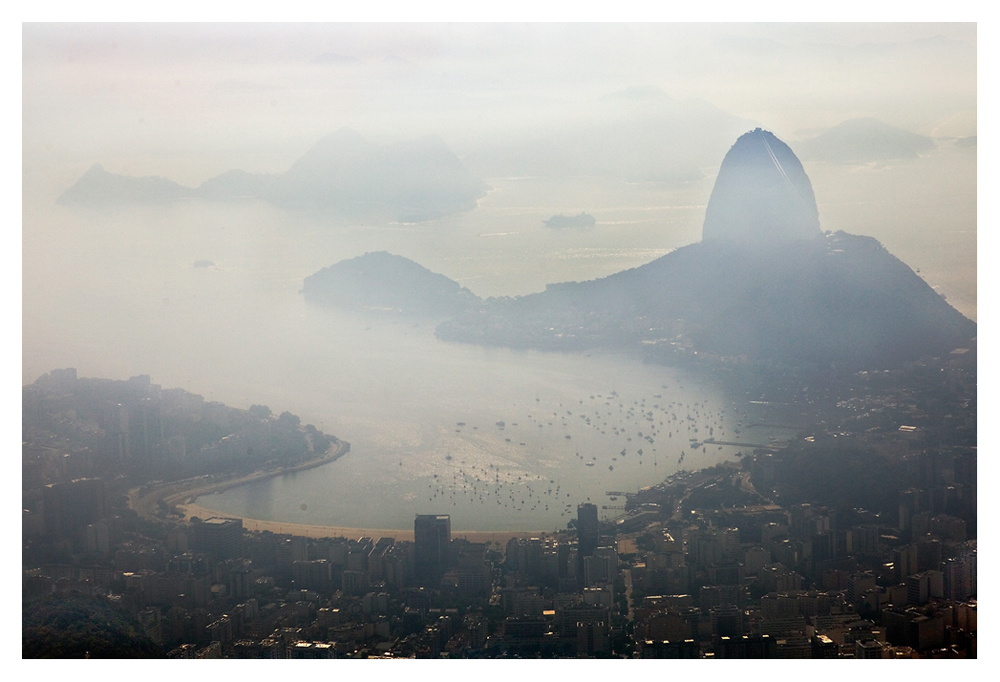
[385, 282]
[837, 298]
[81, 626]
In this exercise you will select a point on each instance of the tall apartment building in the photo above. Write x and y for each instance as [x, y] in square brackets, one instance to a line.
[221, 538]
[960, 576]
[68, 508]
[431, 546]
[588, 529]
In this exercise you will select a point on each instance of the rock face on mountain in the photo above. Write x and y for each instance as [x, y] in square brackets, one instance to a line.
[343, 174]
[761, 196]
[383, 282]
[764, 284]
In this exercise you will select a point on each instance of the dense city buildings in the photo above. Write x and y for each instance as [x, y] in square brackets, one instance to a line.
[856, 538]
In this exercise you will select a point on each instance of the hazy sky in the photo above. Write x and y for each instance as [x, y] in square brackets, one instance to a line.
[190, 100]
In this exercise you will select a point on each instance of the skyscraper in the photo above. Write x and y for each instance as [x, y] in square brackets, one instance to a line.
[588, 529]
[431, 544]
[588, 533]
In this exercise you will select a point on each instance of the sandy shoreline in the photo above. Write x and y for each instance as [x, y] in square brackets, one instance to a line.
[313, 531]
[185, 498]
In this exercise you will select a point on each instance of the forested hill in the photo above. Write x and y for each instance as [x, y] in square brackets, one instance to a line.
[385, 282]
[838, 298]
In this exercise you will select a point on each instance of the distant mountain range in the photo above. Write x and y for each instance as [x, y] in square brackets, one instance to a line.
[98, 186]
[343, 173]
[764, 284]
[863, 140]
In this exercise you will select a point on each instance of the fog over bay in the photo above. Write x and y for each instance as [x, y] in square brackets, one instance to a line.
[627, 123]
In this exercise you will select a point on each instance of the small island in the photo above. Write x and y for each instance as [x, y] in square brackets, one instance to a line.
[381, 282]
[580, 220]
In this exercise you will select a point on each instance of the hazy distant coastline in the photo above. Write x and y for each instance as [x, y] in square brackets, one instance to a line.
[864, 140]
[409, 181]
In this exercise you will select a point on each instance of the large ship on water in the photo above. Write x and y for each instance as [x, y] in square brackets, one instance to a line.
[580, 220]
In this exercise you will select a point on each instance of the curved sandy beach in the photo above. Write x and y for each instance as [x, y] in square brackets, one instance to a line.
[311, 531]
[183, 496]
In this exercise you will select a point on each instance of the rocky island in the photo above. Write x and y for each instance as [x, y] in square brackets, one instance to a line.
[383, 282]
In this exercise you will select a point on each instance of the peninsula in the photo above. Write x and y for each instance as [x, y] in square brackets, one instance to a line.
[155, 446]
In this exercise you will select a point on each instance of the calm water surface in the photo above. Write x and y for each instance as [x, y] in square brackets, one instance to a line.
[115, 293]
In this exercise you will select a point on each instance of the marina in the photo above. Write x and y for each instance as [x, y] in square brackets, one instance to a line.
[525, 471]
